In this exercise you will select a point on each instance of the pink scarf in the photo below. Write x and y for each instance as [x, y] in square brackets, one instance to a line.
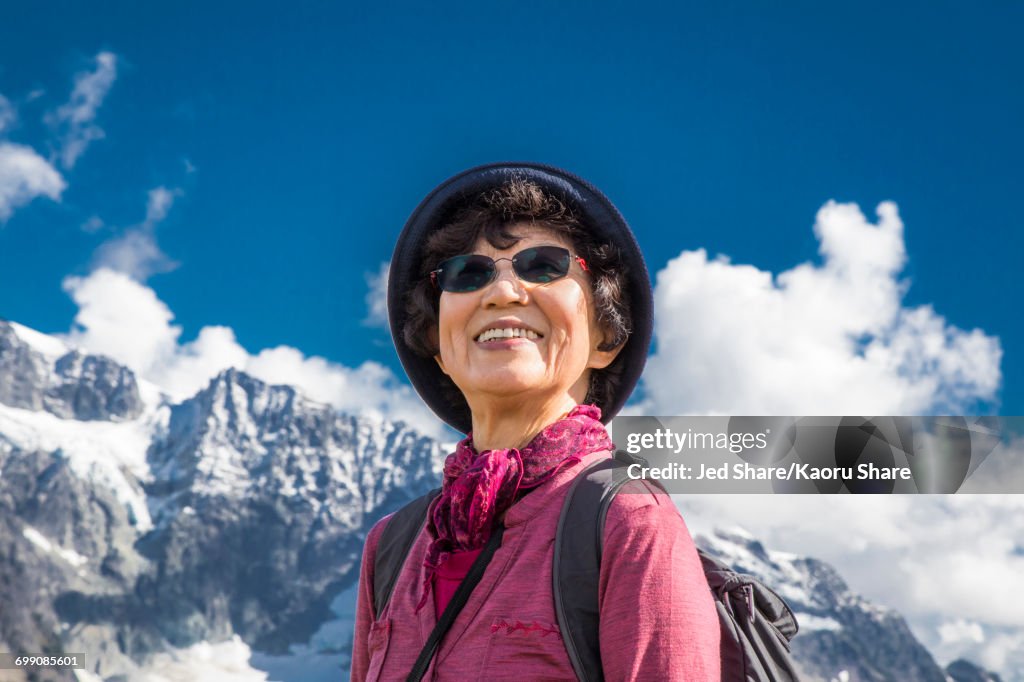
[479, 488]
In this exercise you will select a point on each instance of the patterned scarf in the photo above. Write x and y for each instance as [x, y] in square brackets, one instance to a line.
[479, 488]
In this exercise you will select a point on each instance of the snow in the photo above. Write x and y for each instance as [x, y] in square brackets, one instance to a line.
[96, 450]
[327, 656]
[739, 531]
[203, 662]
[780, 571]
[223, 472]
[152, 395]
[40, 541]
[808, 622]
[45, 344]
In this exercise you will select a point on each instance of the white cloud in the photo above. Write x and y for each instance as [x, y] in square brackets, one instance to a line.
[370, 388]
[92, 224]
[960, 630]
[136, 252]
[160, 201]
[125, 320]
[817, 339]
[226, 661]
[377, 297]
[1000, 649]
[965, 558]
[24, 175]
[1004, 651]
[833, 339]
[76, 119]
[7, 114]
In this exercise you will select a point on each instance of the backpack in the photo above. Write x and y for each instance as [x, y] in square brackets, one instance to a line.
[756, 623]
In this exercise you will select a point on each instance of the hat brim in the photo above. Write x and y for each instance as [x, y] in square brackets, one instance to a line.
[595, 211]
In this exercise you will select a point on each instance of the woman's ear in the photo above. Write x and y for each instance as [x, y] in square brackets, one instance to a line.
[432, 336]
[440, 363]
[599, 359]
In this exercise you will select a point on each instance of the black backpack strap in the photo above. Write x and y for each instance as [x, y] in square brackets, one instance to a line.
[577, 562]
[394, 545]
[459, 599]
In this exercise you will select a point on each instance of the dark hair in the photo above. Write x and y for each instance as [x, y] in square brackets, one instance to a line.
[490, 215]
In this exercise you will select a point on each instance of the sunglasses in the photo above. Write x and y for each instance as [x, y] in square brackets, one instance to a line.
[537, 264]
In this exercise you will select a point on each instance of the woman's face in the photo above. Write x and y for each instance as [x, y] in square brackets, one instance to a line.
[561, 313]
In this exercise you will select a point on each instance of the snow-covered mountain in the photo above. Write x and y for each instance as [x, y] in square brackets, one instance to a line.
[131, 527]
[219, 538]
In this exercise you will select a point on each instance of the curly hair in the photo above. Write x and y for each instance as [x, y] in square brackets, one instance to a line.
[491, 215]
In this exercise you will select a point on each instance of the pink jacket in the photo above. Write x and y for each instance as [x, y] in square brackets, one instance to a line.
[658, 620]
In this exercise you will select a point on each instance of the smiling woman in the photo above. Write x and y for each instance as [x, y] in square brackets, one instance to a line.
[493, 223]
[520, 307]
[495, 369]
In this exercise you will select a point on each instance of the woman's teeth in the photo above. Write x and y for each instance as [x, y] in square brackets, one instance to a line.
[507, 334]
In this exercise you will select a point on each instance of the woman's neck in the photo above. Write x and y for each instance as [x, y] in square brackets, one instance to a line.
[513, 424]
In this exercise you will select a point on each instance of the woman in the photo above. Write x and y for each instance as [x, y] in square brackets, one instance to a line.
[520, 307]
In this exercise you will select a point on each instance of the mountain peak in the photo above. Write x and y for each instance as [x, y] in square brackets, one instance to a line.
[962, 670]
[35, 375]
[44, 344]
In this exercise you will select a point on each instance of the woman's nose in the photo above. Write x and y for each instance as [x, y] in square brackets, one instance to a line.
[506, 287]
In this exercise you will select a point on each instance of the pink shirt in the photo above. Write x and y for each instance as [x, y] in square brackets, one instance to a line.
[657, 617]
[449, 576]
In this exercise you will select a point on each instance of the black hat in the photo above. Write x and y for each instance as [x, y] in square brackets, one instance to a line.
[595, 212]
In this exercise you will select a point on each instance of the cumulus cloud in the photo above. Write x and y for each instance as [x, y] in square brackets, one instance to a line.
[837, 338]
[24, 175]
[124, 319]
[377, 297]
[136, 252]
[75, 120]
[828, 339]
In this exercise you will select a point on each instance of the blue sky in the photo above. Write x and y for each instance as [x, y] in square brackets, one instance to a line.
[292, 144]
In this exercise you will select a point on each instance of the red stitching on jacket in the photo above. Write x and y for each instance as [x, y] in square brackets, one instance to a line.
[533, 626]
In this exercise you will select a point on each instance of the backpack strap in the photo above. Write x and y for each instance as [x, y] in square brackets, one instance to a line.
[577, 562]
[393, 547]
[454, 607]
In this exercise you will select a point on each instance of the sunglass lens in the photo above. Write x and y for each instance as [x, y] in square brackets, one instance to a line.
[542, 263]
[466, 273]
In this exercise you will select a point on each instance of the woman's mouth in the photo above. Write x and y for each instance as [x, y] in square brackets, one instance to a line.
[497, 335]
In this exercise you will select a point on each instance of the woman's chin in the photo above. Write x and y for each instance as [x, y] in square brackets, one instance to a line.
[508, 384]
